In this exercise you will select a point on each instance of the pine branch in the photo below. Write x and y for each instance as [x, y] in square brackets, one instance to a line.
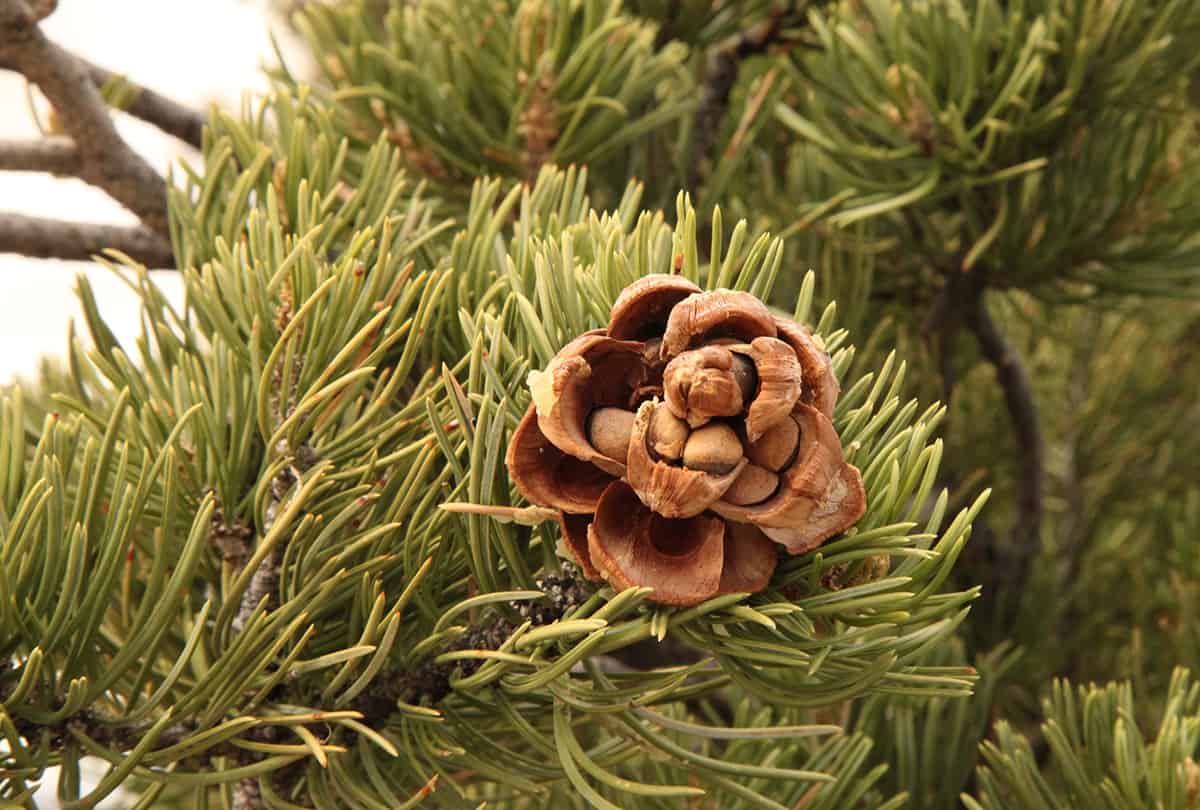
[106, 160]
[42, 238]
[431, 681]
[1100, 747]
[309, 647]
[1022, 409]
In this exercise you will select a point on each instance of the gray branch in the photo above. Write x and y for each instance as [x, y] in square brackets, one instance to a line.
[721, 74]
[60, 239]
[262, 585]
[56, 156]
[247, 794]
[1022, 411]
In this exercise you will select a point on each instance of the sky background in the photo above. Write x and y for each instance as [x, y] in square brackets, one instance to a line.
[195, 52]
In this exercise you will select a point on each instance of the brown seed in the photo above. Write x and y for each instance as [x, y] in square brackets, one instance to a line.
[754, 485]
[777, 447]
[667, 435]
[609, 430]
[714, 448]
[670, 491]
[592, 369]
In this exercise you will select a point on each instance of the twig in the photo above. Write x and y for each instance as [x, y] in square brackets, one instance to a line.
[952, 304]
[1017, 557]
[106, 160]
[266, 577]
[247, 795]
[93, 152]
[666, 31]
[60, 239]
[56, 156]
[262, 585]
[169, 116]
[719, 79]
[430, 681]
[107, 731]
[653, 654]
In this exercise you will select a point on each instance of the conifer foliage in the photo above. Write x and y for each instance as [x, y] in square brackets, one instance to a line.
[270, 555]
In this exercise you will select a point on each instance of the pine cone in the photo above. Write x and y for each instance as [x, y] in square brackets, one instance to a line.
[680, 444]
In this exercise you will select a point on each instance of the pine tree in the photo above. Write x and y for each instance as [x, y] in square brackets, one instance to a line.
[275, 553]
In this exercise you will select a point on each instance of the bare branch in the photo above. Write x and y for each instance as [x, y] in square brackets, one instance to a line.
[247, 793]
[1022, 410]
[56, 156]
[106, 160]
[666, 30]
[263, 584]
[941, 327]
[60, 239]
[719, 79]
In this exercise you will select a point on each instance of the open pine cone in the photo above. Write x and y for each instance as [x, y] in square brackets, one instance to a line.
[680, 444]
